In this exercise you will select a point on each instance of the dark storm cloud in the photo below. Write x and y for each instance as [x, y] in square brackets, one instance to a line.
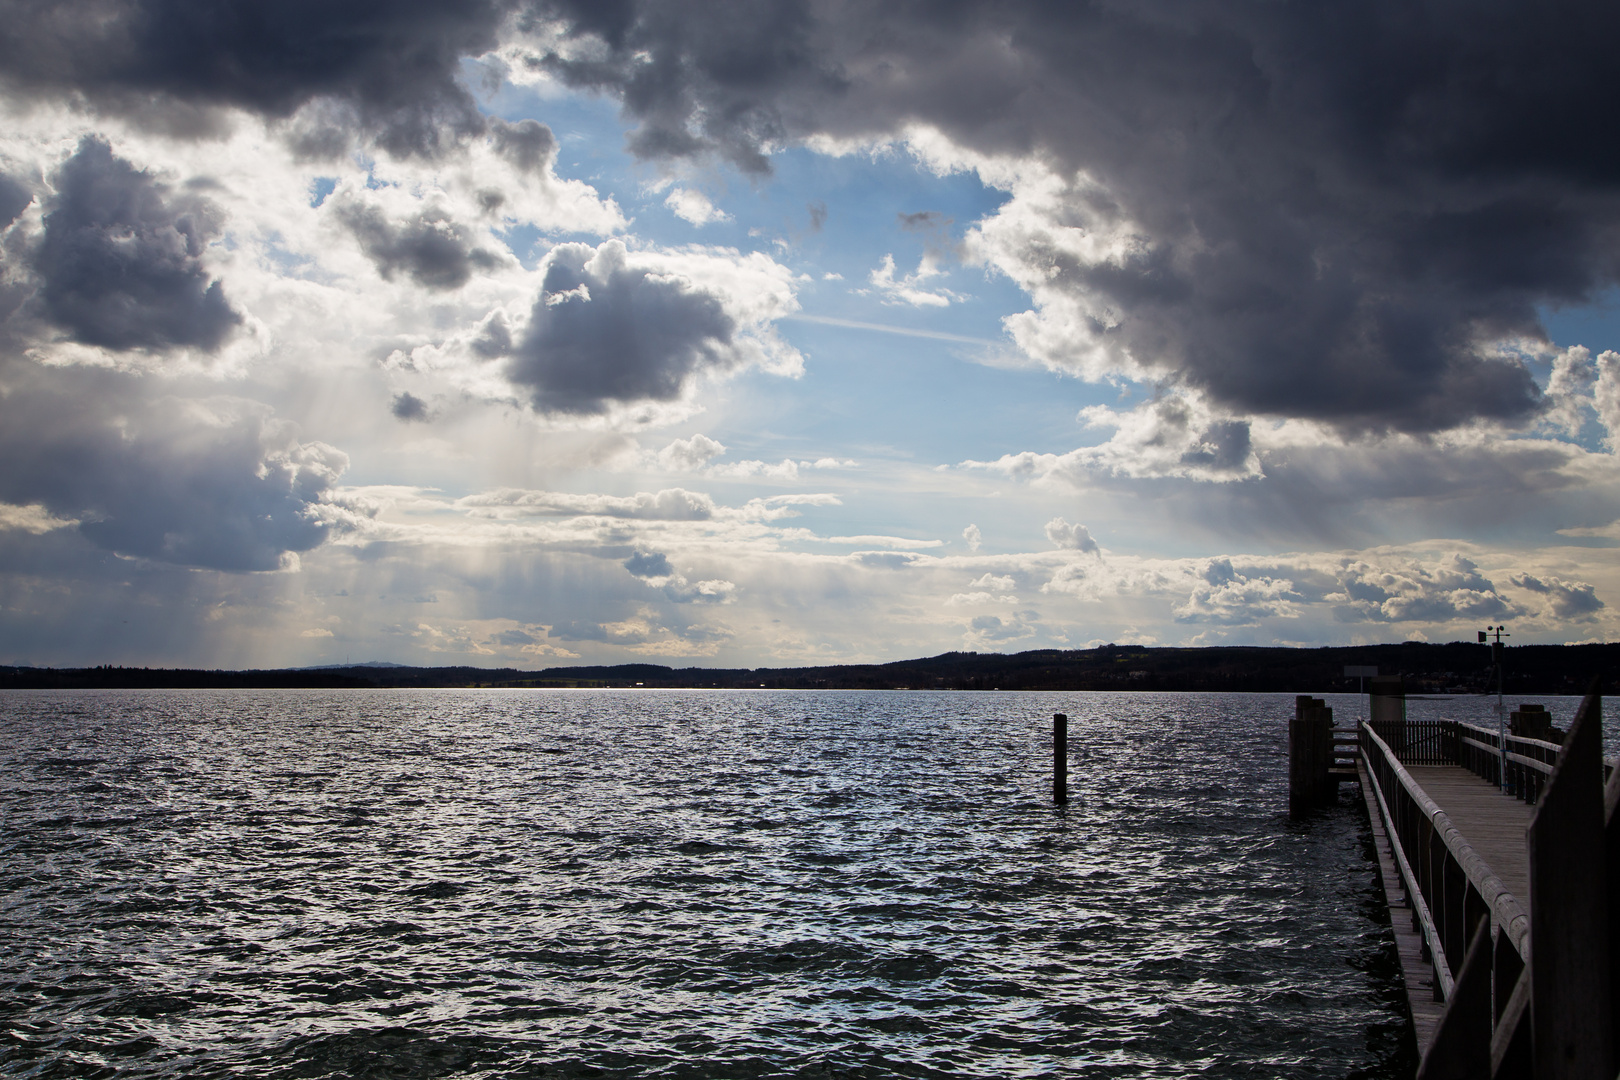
[672, 62]
[394, 62]
[433, 250]
[604, 332]
[14, 199]
[649, 564]
[212, 483]
[1335, 208]
[121, 260]
[407, 406]
[527, 144]
[1223, 447]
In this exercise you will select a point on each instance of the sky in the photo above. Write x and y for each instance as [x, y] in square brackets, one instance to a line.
[777, 334]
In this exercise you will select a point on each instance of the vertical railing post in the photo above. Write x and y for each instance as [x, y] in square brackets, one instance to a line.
[1571, 1017]
[1462, 1042]
[1611, 860]
[1454, 932]
[1505, 971]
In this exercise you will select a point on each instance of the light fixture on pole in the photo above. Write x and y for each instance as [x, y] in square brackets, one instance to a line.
[1501, 717]
[1361, 673]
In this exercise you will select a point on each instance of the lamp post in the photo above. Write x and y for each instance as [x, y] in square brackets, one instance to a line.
[1361, 673]
[1501, 717]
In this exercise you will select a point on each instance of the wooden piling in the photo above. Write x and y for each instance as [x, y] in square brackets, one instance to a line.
[1060, 759]
[1301, 774]
[1531, 721]
[1310, 756]
[1386, 705]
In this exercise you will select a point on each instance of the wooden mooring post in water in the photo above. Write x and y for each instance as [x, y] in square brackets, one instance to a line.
[1318, 756]
[1060, 759]
[1310, 756]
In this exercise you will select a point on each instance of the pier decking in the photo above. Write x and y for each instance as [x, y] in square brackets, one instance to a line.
[1484, 843]
[1494, 824]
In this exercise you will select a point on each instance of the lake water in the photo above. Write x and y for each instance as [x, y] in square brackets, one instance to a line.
[678, 884]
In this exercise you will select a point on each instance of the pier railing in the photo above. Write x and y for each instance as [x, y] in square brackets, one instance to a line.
[1450, 889]
[1529, 762]
[1511, 1013]
[1419, 742]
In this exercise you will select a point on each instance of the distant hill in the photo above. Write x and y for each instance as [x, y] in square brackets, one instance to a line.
[1458, 667]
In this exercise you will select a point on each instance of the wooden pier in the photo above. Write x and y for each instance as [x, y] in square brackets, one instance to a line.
[1486, 845]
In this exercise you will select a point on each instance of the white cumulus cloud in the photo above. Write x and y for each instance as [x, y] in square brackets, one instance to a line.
[694, 207]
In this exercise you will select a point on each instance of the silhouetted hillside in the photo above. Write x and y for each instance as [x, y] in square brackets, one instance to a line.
[1458, 667]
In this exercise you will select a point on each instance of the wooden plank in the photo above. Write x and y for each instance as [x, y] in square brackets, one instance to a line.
[1505, 908]
[1494, 824]
[1416, 973]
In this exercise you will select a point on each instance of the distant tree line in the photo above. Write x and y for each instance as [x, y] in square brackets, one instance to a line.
[1458, 667]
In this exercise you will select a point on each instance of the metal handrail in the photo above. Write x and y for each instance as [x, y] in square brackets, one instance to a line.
[1510, 916]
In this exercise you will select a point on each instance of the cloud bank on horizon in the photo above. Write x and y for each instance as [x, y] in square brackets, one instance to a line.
[532, 332]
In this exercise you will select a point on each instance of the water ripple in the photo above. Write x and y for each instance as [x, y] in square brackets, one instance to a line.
[675, 884]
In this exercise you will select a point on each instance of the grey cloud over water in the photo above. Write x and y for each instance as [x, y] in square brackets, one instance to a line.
[1567, 599]
[435, 251]
[121, 264]
[395, 65]
[1308, 245]
[14, 199]
[217, 483]
[1330, 213]
[604, 331]
[1323, 211]
[1319, 212]
[527, 144]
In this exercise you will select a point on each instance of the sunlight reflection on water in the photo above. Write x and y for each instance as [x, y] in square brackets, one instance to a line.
[677, 883]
